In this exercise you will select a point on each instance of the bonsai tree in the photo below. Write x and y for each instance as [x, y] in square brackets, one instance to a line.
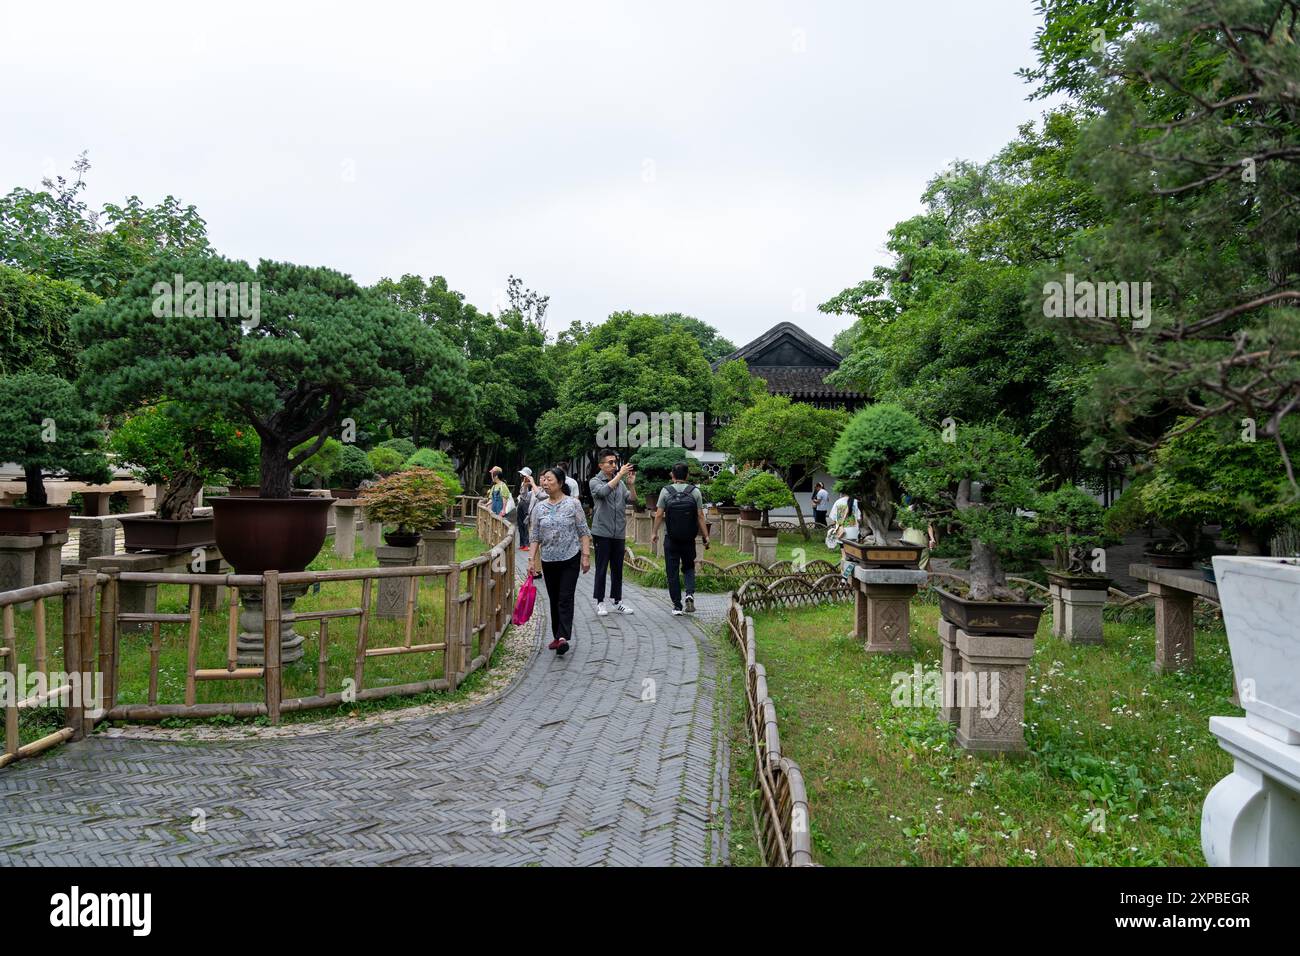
[654, 465]
[722, 489]
[764, 491]
[1210, 475]
[403, 446]
[414, 500]
[791, 438]
[384, 461]
[875, 439]
[295, 352]
[182, 448]
[1070, 520]
[981, 482]
[44, 427]
[440, 462]
[353, 468]
[318, 470]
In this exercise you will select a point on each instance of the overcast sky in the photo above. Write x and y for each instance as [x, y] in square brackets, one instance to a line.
[736, 161]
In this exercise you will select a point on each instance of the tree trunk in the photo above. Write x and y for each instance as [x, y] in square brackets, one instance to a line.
[35, 487]
[988, 582]
[803, 528]
[177, 499]
[1248, 543]
[879, 511]
[277, 479]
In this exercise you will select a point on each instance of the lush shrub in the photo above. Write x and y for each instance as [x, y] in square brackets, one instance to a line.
[353, 467]
[318, 470]
[385, 461]
[722, 489]
[1070, 521]
[403, 446]
[44, 427]
[764, 491]
[871, 444]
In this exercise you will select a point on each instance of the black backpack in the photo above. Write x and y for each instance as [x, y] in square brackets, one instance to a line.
[679, 514]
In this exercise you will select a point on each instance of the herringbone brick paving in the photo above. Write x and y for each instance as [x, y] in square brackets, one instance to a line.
[570, 766]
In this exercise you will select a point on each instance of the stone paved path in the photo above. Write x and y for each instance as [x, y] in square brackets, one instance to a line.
[570, 766]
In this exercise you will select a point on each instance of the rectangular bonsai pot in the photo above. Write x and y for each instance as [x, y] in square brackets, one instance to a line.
[766, 532]
[34, 520]
[1079, 582]
[884, 555]
[167, 535]
[1001, 618]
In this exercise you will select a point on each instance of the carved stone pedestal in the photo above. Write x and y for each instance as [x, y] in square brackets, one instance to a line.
[1252, 816]
[1175, 638]
[1077, 614]
[251, 645]
[49, 557]
[730, 529]
[991, 693]
[765, 550]
[745, 533]
[438, 547]
[393, 592]
[883, 608]
[951, 667]
[18, 560]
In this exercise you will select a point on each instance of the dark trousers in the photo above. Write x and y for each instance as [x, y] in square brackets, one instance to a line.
[522, 515]
[609, 554]
[561, 579]
[819, 516]
[680, 555]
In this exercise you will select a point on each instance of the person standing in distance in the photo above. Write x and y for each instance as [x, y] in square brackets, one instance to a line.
[820, 500]
[500, 500]
[561, 546]
[611, 490]
[681, 507]
[527, 489]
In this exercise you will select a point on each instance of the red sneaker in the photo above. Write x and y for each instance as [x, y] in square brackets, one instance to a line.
[523, 547]
[555, 644]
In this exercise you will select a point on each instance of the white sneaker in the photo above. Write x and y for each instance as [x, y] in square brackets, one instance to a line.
[690, 604]
[600, 609]
[622, 608]
[677, 612]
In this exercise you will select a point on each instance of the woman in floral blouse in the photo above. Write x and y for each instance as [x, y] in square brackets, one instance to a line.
[561, 544]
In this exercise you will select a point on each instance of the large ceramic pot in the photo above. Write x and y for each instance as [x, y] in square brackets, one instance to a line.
[34, 520]
[885, 555]
[401, 539]
[243, 491]
[1261, 605]
[166, 534]
[750, 514]
[765, 532]
[1002, 618]
[270, 534]
[728, 509]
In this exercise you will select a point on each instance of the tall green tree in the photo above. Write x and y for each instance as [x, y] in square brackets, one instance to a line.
[44, 428]
[36, 323]
[323, 349]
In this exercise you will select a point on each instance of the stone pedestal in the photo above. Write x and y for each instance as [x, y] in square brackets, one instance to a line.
[1175, 643]
[991, 692]
[745, 533]
[765, 550]
[730, 529]
[251, 645]
[1252, 816]
[645, 523]
[883, 608]
[372, 535]
[96, 539]
[95, 503]
[1077, 614]
[345, 527]
[18, 560]
[438, 547]
[393, 591]
[49, 557]
[950, 665]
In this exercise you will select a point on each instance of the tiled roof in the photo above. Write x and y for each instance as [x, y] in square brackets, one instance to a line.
[803, 381]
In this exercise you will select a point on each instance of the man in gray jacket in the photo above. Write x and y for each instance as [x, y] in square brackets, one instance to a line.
[611, 490]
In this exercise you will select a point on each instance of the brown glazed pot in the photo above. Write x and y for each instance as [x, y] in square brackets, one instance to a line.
[1006, 618]
[1166, 559]
[728, 509]
[40, 520]
[1078, 582]
[884, 555]
[270, 534]
[243, 491]
[344, 494]
[167, 535]
[765, 532]
[750, 514]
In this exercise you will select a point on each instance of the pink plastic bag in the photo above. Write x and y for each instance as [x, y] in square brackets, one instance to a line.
[524, 603]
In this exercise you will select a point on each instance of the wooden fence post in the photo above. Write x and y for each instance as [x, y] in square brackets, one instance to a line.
[271, 643]
[72, 650]
[450, 627]
[108, 638]
[88, 633]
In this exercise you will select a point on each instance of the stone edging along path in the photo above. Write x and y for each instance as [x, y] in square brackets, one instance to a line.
[571, 764]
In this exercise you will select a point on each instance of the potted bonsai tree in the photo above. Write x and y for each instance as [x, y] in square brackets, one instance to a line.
[44, 427]
[304, 349]
[747, 513]
[761, 493]
[722, 492]
[440, 462]
[353, 468]
[874, 441]
[1070, 520]
[982, 483]
[414, 500]
[654, 465]
[179, 448]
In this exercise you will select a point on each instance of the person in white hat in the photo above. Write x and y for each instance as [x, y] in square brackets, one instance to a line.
[527, 489]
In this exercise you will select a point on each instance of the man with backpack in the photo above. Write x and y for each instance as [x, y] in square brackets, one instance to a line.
[681, 508]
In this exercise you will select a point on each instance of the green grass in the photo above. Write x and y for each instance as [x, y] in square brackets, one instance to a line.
[1119, 761]
[299, 678]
